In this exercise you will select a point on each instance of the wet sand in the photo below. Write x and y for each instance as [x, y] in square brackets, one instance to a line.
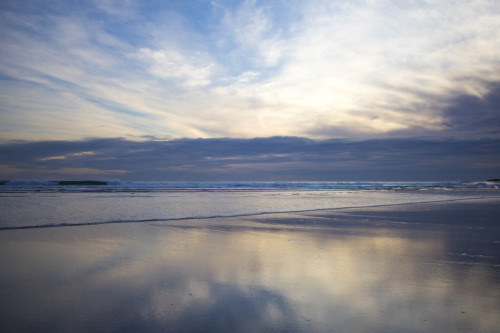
[412, 268]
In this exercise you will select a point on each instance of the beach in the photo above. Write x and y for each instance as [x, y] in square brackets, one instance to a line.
[407, 267]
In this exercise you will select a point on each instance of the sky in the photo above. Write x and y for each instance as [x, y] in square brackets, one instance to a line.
[372, 81]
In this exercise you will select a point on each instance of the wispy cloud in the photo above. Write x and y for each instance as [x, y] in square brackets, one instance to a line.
[172, 65]
[63, 157]
[245, 69]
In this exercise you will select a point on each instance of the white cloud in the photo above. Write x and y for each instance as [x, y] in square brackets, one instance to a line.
[359, 68]
[251, 28]
[170, 64]
[375, 68]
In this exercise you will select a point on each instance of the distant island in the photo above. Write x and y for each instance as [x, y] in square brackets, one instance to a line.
[81, 182]
[494, 180]
[68, 182]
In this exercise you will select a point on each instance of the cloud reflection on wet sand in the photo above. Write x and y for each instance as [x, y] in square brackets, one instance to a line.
[217, 276]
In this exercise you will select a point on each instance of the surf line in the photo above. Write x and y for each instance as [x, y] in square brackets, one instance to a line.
[59, 225]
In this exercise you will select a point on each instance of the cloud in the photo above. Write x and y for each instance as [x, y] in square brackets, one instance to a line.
[251, 29]
[276, 158]
[170, 64]
[374, 69]
[473, 116]
[358, 69]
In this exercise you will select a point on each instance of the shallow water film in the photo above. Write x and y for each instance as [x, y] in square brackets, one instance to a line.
[412, 268]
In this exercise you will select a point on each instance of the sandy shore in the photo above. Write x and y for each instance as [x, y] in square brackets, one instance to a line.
[416, 267]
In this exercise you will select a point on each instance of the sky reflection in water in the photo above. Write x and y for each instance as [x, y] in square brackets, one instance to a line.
[250, 276]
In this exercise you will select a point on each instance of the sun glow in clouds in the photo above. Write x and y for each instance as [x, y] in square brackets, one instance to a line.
[242, 69]
[63, 157]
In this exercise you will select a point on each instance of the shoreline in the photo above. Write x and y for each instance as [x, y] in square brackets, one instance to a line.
[270, 214]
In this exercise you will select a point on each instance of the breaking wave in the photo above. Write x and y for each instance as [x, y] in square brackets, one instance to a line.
[125, 186]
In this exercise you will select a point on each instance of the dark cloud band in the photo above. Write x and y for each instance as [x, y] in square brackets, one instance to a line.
[274, 158]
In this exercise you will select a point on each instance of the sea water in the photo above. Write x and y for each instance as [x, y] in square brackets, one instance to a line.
[35, 203]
